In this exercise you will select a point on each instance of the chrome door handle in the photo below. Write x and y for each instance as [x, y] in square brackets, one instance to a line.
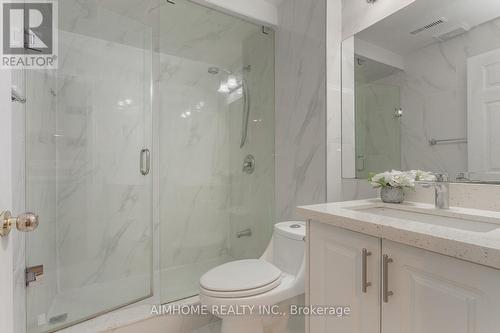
[364, 274]
[145, 162]
[386, 260]
[25, 222]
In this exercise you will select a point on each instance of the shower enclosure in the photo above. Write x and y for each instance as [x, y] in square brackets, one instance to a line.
[216, 91]
[157, 126]
[377, 118]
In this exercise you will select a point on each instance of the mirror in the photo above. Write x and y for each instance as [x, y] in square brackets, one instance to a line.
[421, 90]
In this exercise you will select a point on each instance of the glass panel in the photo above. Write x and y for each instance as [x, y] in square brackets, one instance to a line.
[209, 62]
[371, 114]
[444, 57]
[86, 124]
[378, 129]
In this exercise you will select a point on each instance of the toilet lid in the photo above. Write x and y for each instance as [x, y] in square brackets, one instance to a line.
[241, 275]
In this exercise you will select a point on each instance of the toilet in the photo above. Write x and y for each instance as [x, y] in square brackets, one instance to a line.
[257, 283]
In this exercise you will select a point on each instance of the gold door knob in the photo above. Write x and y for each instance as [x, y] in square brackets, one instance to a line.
[25, 222]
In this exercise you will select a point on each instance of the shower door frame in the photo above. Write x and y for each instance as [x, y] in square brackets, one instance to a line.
[13, 254]
[7, 244]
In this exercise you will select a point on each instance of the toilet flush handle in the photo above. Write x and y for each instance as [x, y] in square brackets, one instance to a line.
[244, 233]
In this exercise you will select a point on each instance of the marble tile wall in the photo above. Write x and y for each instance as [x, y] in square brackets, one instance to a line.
[194, 171]
[252, 199]
[435, 99]
[93, 112]
[101, 128]
[300, 106]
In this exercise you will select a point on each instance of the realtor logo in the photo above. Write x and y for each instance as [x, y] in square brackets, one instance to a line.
[29, 34]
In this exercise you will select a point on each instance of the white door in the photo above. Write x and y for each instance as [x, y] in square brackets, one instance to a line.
[336, 279]
[433, 293]
[483, 113]
[6, 243]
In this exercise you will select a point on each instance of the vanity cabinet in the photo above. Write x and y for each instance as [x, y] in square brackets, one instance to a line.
[412, 290]
[434, 293]
[340, 260]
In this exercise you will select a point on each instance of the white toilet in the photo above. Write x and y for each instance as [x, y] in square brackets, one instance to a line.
[277, 276]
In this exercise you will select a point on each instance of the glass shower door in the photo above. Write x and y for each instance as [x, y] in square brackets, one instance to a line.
[216, 92]
[378, 129]
[87, 123]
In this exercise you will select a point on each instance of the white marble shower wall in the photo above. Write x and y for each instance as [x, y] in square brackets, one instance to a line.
[204, 196]
[252, 200]
[86, 124]
[194, 173]
[102, 114]
[300, 105]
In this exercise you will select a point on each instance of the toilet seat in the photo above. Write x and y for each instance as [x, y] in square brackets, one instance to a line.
[242, 278]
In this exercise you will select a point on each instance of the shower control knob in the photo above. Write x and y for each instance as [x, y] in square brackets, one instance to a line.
[249, 164]
[25, 222]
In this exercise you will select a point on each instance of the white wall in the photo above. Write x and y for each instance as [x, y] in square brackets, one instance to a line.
[6, 244]
[334, 119]
[300, 106]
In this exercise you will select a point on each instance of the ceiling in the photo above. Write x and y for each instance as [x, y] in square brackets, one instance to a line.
[393, 33]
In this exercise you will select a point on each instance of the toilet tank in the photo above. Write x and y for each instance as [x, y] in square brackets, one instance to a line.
[289, 246]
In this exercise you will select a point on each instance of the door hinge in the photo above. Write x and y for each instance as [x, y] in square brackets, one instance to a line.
[33, 275]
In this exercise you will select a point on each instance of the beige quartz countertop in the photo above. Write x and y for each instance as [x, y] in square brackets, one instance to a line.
[482, 247]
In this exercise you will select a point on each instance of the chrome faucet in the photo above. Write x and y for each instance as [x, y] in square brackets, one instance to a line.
[442, 190]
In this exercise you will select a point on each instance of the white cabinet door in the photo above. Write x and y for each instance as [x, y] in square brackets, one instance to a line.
[483, 114]
[438, 294]
[336, 277]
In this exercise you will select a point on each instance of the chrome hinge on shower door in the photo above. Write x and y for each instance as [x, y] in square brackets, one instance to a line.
[33, 275]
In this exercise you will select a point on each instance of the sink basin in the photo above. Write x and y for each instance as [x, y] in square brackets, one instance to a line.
[433, 217]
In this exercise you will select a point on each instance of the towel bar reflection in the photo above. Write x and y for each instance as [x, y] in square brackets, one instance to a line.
[434, 142]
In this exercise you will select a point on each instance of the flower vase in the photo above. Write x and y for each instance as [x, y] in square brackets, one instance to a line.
[394, 195]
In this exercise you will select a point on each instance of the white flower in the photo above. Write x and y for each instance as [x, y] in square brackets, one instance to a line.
[400, 179]
[424, 176]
